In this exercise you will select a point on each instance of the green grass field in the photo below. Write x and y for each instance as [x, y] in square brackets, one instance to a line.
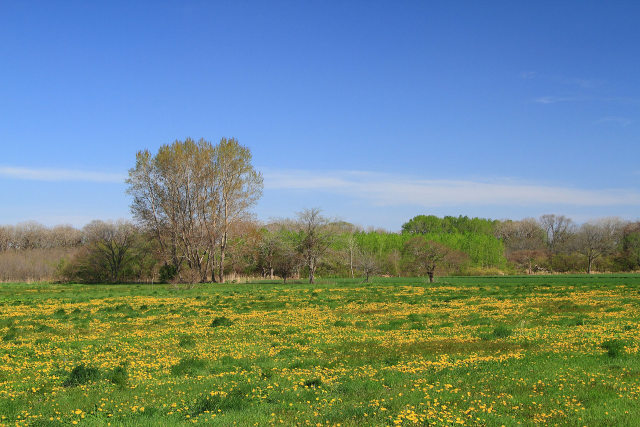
[471, 351]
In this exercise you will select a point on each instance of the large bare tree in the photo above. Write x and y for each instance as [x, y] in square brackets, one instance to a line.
[239, 188]
[189, 194]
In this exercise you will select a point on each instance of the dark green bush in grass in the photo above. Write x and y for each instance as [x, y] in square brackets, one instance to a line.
[119, 376]
[221, 321]
[500, 331]
[614, 347]
[82, 374]
[235, 400]
[11, 334]
[189, 366]
[187, 341]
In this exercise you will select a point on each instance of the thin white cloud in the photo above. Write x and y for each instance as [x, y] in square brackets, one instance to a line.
[622, 121]
[554, 99]
[583, 83]
[611, 99]
[394, 190]
[45, 174]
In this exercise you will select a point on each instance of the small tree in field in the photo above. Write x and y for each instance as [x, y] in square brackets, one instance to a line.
[368, 263]
[527, 259]
[424, 257]
[596, 239]
[315, 238]
[286, 259]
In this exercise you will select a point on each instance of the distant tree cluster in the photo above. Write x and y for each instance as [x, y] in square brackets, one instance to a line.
[554, 243]
[191, 204]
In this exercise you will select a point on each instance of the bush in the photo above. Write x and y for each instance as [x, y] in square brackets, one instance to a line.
[187, 341]
[213, 403]
[11, 334]
[614, 347]
[189, 366]
[167, 273]
[221, 321]
[119, 376]
[501, 331]
[82, 374]
[341, 323]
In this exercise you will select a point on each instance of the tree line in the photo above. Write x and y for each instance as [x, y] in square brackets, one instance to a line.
[312, 245]
[192, 222]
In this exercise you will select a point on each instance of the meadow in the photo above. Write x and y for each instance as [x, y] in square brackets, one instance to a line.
[557, 350]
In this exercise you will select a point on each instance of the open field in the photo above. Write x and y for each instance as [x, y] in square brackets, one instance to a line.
[473, 351]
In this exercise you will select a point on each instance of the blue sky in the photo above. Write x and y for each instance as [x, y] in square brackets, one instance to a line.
[373, 111]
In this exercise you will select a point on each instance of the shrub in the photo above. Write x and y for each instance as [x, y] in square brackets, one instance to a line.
[167, 273]
[189, 366]
[187, 341]
[392, 325]
[119, 376]
[614, 347]
[82, 374]
[11, 334]
[414, 317]
[212, 403]
[501, 331]
[221, 321]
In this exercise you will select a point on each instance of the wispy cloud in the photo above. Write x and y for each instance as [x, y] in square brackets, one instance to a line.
[45, 174]
[622, 121]
[528, 75]
[555, 99]
[583, 83]
[390, 190]
[570, 81]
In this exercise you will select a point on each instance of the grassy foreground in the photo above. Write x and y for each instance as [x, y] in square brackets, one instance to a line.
[469, 351]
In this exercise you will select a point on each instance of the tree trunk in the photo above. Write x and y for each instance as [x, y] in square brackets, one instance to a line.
[312, 270]
[271, 273]
[590, 261]
[430, 274]
[221, 265]
[351, 261]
